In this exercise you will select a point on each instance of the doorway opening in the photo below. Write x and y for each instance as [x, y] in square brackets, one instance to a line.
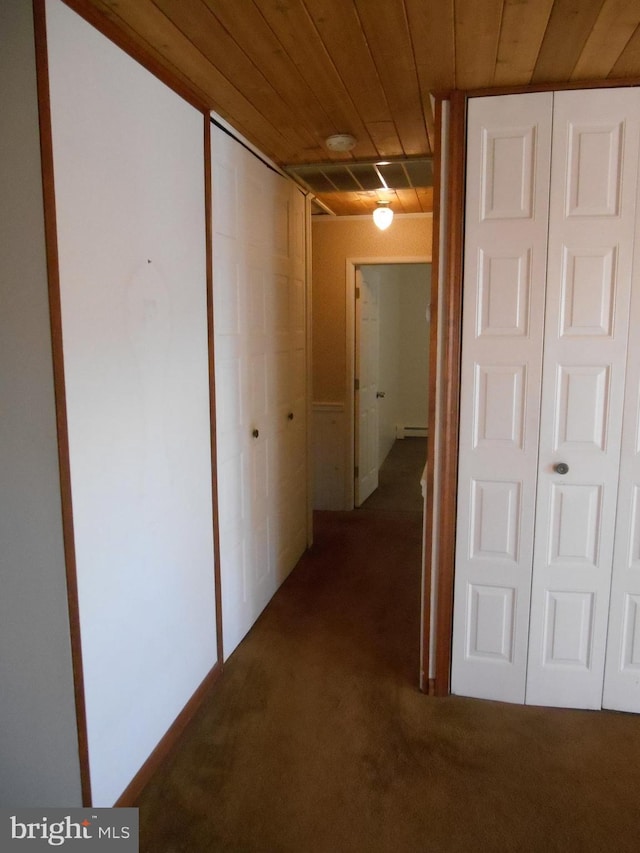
[390, 358]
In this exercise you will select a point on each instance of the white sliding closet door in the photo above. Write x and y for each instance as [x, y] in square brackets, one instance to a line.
[509, 142]
[128, 162]
[260, 348]
[543, 512]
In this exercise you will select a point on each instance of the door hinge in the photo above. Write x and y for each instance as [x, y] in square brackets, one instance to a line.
[356, 472]
[357, 293]
[356, 384]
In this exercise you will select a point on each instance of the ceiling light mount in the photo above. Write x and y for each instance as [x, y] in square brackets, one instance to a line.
[341, 142]
[383, 215]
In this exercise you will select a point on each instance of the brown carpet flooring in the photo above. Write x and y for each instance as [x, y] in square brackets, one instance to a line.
[316, 739]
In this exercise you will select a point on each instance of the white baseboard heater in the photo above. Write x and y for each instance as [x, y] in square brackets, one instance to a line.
[411, 431]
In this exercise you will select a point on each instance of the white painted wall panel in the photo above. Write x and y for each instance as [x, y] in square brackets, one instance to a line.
[328, 456]
[128, 161]
[415, 290]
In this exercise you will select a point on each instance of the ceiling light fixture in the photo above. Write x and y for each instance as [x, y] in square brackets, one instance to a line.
[341, 142]
[383, 215]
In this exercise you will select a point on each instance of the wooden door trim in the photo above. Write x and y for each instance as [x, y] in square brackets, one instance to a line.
[451, 320]
[55, 315]
[427, 684]
[212, 383]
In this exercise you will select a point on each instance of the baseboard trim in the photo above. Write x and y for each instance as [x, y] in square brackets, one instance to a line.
[411, 431]
[134, 789]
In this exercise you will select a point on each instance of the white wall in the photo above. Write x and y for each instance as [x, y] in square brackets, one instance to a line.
[39, 763]
[414, 285]
[129, 173]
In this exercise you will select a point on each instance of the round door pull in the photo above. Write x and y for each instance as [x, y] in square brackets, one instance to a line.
[255, 433]
[561, 468]
[290, 416]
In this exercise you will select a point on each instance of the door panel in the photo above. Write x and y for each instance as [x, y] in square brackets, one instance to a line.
[505, 259]
[591, 232]
[260, 339]
[366, 365]
[622, 670]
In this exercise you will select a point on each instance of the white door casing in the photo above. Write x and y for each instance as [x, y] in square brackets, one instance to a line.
[366, 372]
[509, 143]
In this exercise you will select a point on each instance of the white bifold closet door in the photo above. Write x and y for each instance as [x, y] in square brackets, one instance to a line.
[543, 401]
[258, 236]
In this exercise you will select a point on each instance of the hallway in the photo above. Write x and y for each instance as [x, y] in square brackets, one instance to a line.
[317, 740]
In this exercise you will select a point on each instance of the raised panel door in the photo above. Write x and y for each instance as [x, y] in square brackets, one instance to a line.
[591, 235]
[509, 141]
[366, 366]
[260, 347]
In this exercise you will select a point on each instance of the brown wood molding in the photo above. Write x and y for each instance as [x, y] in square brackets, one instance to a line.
[55, 312]
[117, 34]
[212, 383]
[134, 789]
[450, 317]
[528, 88]
[567, 86]
[432, 392]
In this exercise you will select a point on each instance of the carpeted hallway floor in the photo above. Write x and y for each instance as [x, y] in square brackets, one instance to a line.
[317, 740]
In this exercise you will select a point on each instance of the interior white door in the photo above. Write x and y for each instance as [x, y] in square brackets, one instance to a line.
[622, 664]
[584, 343]
[590, 254]
[509, 142]
[260, 346]
[287, 380]
[233, 427]
[366, 371]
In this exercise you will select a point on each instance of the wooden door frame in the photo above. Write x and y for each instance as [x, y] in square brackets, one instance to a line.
[444, 373]
[350, 292]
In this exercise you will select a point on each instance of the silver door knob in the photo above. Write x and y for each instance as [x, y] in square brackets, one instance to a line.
[561, 468]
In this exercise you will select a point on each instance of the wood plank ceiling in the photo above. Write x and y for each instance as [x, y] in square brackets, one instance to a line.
[289, 73]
